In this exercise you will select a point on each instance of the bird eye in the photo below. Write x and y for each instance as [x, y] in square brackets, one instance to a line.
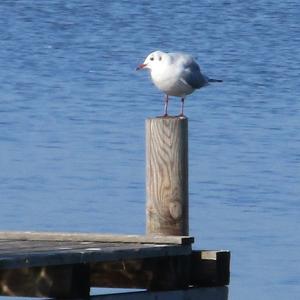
[151, 58]
[159, 58]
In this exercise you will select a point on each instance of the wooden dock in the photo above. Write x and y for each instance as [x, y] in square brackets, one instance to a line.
[67, 265]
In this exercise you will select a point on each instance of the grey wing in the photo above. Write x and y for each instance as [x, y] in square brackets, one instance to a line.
[193, 76]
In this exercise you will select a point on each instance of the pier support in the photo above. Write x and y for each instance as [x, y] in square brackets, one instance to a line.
[167, 176]
[61, 281]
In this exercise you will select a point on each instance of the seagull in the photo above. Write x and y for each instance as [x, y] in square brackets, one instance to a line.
[175, 74]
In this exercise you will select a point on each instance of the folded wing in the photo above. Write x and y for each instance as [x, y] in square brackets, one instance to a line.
[191, 73]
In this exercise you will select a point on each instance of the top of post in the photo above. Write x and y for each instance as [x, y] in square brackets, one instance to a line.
[169, 118]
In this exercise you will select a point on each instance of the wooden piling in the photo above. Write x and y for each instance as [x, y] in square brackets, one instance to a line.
[167, 176]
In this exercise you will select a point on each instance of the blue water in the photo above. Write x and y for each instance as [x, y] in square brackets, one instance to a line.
[72, 112]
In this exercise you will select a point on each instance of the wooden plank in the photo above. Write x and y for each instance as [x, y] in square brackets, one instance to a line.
[97, 253]
[162, 273]
[211, 293]
[41, 246]
[167, 176]
[56, 281]
[210, 268]
[22, 246]
[94, 237]
[201, 268]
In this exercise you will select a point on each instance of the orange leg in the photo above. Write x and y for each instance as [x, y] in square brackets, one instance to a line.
[166, 105]
[182, 106]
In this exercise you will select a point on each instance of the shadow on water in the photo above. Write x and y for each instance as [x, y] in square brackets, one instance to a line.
[204, 293]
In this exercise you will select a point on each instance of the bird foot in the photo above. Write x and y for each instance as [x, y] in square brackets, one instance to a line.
[181, 116]
[163, 116]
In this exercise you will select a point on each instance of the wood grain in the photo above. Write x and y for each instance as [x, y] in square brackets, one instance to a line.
[66, 281]
[167, 176]
[161, 273]
[33, 253]
[93, 237]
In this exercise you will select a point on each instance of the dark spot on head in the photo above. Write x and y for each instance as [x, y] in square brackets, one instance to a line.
[160, 58]
[152, 58]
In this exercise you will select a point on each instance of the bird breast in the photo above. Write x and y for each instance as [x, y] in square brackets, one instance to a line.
[170, 82]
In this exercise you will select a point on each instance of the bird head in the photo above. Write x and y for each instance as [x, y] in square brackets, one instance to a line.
[154, 59]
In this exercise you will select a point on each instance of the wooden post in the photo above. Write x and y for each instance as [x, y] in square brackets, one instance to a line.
[167, 176]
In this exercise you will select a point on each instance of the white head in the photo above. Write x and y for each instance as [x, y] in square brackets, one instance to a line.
[153, 60]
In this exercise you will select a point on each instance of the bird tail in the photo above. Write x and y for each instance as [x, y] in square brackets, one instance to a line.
[214, 80]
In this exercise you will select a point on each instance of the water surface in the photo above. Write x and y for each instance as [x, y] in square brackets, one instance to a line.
[72, 112]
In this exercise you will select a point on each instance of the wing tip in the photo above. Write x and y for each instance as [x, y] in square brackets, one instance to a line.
[214, 80]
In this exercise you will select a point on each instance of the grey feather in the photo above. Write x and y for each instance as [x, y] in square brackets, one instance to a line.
[214, 80]
[194, 77]
[191, 73]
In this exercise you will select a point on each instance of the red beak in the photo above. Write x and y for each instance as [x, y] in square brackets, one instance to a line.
[141, 66]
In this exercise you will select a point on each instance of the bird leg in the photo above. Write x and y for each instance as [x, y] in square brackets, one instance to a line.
[166, 105]
[182, 105]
